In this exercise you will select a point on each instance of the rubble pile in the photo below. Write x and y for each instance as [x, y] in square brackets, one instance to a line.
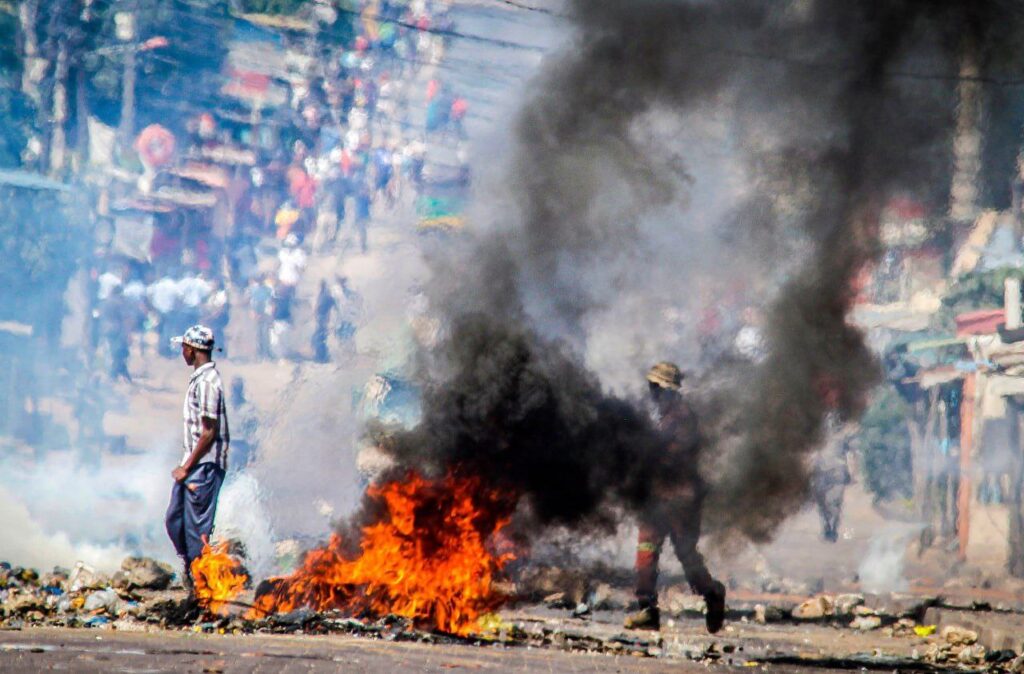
[140, 596]
[958, 646]
[562, 610]
[534, 633]
[560, 588]
[83, 597]
[951, 647]
[897, 615]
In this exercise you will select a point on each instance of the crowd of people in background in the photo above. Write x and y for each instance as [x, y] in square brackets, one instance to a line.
[350, 144]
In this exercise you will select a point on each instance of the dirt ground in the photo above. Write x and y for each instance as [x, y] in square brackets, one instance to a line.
[596, 642]
[83, 651]
[46, 649]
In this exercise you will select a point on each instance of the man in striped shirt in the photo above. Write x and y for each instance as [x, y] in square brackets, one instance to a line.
[198, 478]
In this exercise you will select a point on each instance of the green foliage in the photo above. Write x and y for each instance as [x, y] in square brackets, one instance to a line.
[885, 446]
[9, 57]
[41, 243]
[173, 81]
[17, 117]
[979, 290]
[17, 113]
[271, 6]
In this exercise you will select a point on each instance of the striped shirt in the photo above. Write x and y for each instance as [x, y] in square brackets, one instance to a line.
[205, 398]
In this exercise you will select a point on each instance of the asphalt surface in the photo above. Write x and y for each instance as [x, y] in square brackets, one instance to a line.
[87, 651]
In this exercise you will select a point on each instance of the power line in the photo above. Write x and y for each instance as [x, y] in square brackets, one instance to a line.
[895, 74]
[905, 75]
[737, 53]
[444, 32]
[532, 8]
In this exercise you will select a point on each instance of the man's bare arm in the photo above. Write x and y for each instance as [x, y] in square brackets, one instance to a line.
[206, 438]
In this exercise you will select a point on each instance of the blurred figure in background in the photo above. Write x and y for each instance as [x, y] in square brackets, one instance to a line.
[325, 305]
[831, 474]
[116, 332]
[260, 294]
[245, 426]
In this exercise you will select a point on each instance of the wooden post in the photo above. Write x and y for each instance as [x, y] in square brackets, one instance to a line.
[1015, 558]
[58, 138]
[1011, 302]
[127, 126]
[927, 466]
[81, 118]
[945, 488]
[28, 13]
[126, 33]
[966, 449]
[967, 142]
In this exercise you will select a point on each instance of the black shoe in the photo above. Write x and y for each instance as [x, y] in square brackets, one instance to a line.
[647, 618]
[715, 600]
[186, 580]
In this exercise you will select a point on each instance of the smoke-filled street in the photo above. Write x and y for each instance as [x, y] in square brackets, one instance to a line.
[513, 335]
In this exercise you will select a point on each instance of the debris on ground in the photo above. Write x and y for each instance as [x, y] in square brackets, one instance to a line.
[142, 597]
[143, 573]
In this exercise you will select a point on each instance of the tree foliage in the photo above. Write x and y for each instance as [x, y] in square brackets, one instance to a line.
[885, 446]
[17, 121]
[172, 81]
[42, 241]
[271, 6]
[979, 290]
[17, 112]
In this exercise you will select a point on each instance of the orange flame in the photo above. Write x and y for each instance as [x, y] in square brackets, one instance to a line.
[218, 578]
[427, 559]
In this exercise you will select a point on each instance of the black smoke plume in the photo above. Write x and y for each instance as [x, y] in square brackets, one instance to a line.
[835, 107]
[524, 414]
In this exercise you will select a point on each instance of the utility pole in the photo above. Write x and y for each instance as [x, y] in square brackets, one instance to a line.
[28, 13]
[967, 436]
[81, 95]
[58, 140]
[1015, 542]
[125, 30]
[963, 206]
[81, 117]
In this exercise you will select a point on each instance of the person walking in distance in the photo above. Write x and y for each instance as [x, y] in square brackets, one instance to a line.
[674, 510]
[197, 480]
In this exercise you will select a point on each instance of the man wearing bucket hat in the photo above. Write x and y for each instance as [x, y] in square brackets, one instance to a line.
[198, 478]
[675, 507]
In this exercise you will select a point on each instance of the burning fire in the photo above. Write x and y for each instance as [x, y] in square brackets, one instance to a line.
[426, 558]
[218, 578]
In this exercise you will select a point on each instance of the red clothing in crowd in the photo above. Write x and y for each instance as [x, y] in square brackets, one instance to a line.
[302, 187]
[459, 108]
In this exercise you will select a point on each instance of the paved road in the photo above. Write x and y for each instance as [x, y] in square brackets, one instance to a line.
[87, 651]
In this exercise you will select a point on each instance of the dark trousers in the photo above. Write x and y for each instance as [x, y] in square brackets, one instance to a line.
[191, 512]
[829, 499]
[828, 486]
[319, 342]
[680, 522]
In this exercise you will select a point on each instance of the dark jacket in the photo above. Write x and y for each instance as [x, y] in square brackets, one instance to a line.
[679, 476]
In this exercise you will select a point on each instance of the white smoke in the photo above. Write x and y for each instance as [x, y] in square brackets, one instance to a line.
[242, 516]
[56, 511]
[26, 542]
[310, 442]
[882, 568]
